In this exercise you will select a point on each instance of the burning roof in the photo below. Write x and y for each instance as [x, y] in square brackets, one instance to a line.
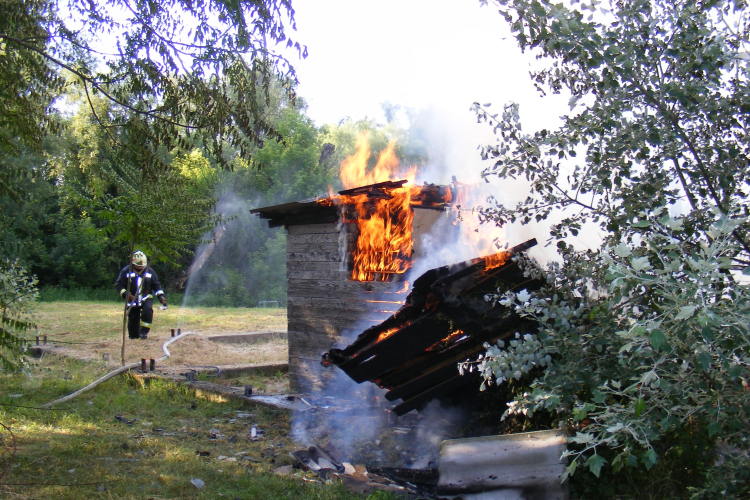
[383, 215]
[445, 319]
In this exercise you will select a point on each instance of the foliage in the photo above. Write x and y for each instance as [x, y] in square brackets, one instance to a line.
[28, 83]
[17, 292]
[660, 110]
[158, 214]
[663, 349]
[648, 336]
[292, 169]
[171, 68]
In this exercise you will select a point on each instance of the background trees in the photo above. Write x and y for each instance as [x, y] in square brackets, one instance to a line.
[156, 79]
[649, 359]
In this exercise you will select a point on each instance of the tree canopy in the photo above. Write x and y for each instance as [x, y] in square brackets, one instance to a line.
[171, 69]
[660, 111]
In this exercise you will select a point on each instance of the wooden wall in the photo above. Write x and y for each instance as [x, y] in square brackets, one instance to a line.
[323, 303]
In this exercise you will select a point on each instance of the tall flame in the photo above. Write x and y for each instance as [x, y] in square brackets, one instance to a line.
[354, 173]
[384, 215]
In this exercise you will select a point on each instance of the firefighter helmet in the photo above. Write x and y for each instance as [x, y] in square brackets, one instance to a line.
[139, 259]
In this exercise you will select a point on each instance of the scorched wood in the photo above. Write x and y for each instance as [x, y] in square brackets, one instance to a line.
[444, 320]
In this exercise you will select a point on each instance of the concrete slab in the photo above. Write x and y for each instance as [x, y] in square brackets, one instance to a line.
[515, 466]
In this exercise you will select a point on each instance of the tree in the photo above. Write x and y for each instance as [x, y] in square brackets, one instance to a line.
[175, 72]
[169, 67]
[648, 349]
[660, 111]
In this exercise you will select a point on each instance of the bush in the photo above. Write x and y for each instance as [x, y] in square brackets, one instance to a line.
[649, 354]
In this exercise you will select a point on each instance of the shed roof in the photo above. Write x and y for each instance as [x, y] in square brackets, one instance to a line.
[324, 210]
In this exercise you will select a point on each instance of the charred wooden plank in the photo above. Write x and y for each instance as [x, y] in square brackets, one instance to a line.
[415, 386]
[374, 187]
[423, 363]
[394, 350]
[480, 264]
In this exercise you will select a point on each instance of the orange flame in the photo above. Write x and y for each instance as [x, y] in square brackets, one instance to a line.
[354, 173]
[384, 335]
[384, 215]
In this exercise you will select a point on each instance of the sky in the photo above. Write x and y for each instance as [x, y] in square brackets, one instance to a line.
[418, 53]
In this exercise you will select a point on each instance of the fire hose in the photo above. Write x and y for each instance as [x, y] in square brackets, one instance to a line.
[120, 370]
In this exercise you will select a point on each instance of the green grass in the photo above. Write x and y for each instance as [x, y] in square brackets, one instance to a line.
[56, 294]
[84, 321]
[83, 447]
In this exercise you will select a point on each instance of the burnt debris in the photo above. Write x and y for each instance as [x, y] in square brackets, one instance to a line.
[445, 319]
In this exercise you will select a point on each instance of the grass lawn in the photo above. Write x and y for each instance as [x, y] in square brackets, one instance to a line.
[165, 437]
[97, 320]
[93, 332]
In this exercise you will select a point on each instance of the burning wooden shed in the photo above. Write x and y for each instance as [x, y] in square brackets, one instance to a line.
[347, 257]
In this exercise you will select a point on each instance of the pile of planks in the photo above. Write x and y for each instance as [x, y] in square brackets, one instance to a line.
[445, 319]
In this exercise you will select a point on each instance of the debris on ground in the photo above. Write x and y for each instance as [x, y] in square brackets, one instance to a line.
[355, 478]
[124, 420]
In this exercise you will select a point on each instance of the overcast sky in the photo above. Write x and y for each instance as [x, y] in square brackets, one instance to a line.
[419, 53]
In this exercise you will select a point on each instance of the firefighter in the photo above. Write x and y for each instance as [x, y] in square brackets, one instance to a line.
[144, 286]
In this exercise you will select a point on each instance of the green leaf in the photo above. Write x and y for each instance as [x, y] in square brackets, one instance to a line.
[595, 463]
[570, 469]
[622, 250]
[705, 360]
[641, 223]
[714, 428]
[649, 458]
[582, 438]
[746, 271]
[640, 406]
[640, 264]
[686, 312]
[657, 339]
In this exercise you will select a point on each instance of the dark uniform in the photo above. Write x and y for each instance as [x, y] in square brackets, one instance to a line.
[144, 287]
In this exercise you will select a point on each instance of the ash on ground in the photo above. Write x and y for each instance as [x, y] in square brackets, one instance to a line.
[363, 430]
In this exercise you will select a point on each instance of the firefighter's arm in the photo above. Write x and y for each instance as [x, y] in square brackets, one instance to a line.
[159, 293]
[121, 285]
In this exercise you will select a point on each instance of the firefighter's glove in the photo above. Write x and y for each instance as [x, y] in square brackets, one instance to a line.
[131, 298]
[163, 302]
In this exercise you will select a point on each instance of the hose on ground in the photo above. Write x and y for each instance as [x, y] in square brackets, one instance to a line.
[120, 370]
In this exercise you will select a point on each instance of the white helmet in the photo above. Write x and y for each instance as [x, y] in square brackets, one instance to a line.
[139, 259]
